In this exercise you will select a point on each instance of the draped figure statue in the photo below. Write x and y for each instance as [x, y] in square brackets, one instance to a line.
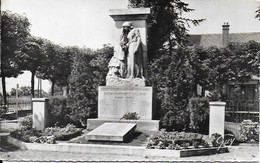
[135, 55]
[127, 61]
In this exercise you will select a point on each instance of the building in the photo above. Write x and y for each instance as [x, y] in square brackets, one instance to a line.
[245, 102]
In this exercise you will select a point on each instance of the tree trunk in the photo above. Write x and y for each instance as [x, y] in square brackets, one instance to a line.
[4, 90]
[170, 44]
[32, 83]
[52, 87]
[68, 90]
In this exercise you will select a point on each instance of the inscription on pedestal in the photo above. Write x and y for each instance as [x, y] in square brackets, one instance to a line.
[114, 102]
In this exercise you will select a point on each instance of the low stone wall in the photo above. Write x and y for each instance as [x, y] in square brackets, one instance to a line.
[234, 128]
[113, 149]
[9, 125]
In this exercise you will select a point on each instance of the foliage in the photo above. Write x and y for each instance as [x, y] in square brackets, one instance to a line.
[50, 68]
[175, 77]
[22, 91]
[56, 64]
[216, 140]
[131, 115]
[42, 139]
[81, 98]
[63, 134]
[172, 79]
[59, 112]
[26, 123]
[258, 13]
[166, 25]
[199, 115]
[14, 30]
[65, 59]
[3, 110]
[232, 64]
[249, 131]
[49, 135]
[24, 134]
[88, 72]
[31, 57]
[176, 140]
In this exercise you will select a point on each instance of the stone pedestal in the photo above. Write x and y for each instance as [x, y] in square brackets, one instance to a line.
[114, 102]
[40, 113]
[216, 118]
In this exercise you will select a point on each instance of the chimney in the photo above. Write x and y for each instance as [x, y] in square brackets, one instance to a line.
[225, 34]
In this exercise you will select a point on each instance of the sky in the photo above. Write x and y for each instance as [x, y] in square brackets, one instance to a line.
[87, 22]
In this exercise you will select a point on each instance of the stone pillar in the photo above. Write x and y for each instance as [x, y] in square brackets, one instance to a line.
[40, 113]
[138, 18]
[259, 88]
[216, 118]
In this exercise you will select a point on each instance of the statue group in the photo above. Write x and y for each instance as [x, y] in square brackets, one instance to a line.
[127, 61]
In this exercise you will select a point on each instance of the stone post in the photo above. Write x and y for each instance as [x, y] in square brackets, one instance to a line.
[216, 118]
[40, 113]
[138, 18]
[259, 87]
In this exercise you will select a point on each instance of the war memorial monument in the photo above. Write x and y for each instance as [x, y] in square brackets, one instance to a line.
[125, 90]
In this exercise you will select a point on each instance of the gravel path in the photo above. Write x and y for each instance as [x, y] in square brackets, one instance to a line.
[243, 152]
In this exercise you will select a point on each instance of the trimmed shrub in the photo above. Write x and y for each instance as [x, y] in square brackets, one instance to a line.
[175, 120]
[89, 71]
[59, 112]
[27, 122]
[199, 115]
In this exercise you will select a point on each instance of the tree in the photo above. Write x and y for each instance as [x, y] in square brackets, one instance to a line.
[31, 57]
[170, 69]
[88, 72]
[14, 31]
[56, 64]
[65, 65]
[22, 91]
[172, 79]
[80, 99]
[166, 25]
[49, 62]
[100, 64]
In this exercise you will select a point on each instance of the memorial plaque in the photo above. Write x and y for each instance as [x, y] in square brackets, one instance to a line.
[114, 102]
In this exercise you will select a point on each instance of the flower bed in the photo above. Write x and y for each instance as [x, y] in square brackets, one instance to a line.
[249, 131]
[181, 140]
[49, 135]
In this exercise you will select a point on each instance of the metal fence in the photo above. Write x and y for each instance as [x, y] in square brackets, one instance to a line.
[20, 103]
[239, 110]
[20, 106]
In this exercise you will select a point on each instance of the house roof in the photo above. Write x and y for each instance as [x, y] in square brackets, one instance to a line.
[207, 40]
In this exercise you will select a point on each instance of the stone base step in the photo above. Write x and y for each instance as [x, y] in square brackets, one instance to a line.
[142, 125]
